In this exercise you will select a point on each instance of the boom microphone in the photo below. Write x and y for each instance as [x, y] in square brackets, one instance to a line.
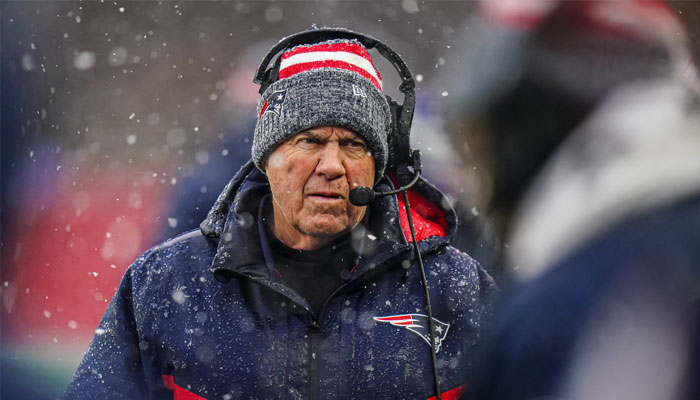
[363, 195]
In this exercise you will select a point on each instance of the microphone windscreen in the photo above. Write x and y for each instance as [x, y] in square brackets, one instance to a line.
[361, 196]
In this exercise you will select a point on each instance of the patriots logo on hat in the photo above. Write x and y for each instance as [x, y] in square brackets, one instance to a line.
[274, 103]
[418, 324]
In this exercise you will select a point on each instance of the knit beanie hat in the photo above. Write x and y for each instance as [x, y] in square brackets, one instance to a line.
[332, 82]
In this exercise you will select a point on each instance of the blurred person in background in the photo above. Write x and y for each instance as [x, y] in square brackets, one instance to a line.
[288, 290]
[218, 159]
[584, 121]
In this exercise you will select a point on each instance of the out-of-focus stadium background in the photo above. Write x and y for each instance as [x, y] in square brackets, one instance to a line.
[122, 121]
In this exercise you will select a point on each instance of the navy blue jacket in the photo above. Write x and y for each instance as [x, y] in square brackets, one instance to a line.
[204, 316]
[647, 268]
[611, 234]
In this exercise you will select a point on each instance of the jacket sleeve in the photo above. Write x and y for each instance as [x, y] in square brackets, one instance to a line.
[489, 294]
[113, 367]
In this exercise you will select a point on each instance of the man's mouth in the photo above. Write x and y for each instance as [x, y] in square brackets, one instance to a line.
[327, 195]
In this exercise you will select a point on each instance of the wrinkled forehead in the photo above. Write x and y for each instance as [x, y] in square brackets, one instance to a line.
[322, 133]
[325, 132]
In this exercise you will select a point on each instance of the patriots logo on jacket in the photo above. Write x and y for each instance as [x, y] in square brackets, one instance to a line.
[274, 103]
[418, 324]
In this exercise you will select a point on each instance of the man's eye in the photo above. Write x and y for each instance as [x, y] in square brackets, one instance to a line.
[308, 141]
[355, 144]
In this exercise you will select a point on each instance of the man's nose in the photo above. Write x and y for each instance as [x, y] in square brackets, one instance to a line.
[330, 163]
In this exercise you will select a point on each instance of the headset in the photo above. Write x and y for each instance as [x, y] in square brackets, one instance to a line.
[401, 156]
[403, 160]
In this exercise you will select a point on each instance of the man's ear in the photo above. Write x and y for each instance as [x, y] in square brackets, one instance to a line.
[265, 163]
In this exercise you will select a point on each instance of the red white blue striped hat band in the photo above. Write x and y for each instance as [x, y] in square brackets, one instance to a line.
[350, 56]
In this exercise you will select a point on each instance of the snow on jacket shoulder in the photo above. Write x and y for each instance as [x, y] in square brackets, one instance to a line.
[203, 316]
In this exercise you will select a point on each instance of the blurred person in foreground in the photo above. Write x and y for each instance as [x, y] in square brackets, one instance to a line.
[584, 120]
[289, 291]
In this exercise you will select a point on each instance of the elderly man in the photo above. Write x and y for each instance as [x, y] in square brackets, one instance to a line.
[289, 291]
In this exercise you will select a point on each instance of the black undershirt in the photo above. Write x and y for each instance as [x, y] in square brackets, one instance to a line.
[314, 274]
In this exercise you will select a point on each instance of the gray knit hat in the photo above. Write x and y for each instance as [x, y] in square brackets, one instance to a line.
[328, 83]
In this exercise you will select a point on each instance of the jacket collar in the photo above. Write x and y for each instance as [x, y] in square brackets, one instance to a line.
[233, 223]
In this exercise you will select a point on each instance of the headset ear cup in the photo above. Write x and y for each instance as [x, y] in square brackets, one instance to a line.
[393, 134]
[271, 75]
[398, 139]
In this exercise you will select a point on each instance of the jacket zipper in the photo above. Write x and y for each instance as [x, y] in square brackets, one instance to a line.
[314, 378]
[315, 338]
[314, 335]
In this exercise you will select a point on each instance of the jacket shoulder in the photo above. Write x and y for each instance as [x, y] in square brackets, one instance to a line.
[458, 259]
[186, 254]
[461, 268]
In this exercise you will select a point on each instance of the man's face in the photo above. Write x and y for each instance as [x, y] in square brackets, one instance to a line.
[310, 176]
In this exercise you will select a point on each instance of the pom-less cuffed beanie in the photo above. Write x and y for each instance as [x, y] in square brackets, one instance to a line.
[327, 83]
